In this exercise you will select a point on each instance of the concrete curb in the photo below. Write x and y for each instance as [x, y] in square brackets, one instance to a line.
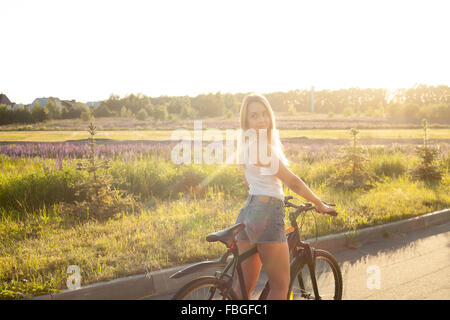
[158, 282]
[355, 239]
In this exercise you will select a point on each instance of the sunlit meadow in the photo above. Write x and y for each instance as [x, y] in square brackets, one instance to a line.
[39, 242]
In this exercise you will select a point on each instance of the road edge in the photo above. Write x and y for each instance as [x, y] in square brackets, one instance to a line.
[157, 282]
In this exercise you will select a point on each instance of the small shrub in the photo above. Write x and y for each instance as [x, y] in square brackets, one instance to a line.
[428, 169]
[352, 169]
[142, 115]
[96, 198]
[85, 116]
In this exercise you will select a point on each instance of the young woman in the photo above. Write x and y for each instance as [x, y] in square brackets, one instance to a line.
[264, 211]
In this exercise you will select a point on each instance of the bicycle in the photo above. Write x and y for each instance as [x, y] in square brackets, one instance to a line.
[308, 267]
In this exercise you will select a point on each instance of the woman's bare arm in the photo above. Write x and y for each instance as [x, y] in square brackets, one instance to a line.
[299, 187]
[296, 184]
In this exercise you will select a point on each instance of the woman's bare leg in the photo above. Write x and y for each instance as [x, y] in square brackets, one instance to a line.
[275, 261]
[251, 267]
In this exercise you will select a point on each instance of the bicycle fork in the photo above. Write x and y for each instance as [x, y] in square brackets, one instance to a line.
[310, 261]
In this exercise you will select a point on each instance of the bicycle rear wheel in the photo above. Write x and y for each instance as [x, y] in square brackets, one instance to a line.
[205, 288]
[328, 277]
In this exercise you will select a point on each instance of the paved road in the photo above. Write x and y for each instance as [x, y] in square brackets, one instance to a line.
[404, 266]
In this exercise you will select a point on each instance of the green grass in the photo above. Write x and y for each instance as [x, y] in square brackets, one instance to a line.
[35, 253]
[59, 136]
[37, 245]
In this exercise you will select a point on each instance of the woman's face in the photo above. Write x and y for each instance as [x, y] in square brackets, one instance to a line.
[258, 117]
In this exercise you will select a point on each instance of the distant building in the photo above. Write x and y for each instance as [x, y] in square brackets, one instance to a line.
[43, 102]
[4, 100]
[93, 104]
[59, 103]
[68, 103]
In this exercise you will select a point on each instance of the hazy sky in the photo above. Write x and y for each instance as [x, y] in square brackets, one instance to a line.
[86, 50]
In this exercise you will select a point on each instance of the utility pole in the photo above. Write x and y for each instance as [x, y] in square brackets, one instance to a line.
[312, 99]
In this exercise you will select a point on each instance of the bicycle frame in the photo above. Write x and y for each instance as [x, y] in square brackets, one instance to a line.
[301, 253]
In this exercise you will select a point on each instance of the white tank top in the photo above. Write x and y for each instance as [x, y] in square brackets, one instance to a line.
[263, 184]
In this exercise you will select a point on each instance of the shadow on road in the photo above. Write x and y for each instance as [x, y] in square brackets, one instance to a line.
[395, 243]
[402, 259]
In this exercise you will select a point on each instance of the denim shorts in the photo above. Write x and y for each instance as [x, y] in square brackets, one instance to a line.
[264, 221]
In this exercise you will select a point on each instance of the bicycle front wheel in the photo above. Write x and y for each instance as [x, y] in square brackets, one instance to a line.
[328, 278]
[205, 288]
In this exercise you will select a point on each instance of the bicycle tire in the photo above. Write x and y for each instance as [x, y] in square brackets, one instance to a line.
[304, 290]
[204, 282]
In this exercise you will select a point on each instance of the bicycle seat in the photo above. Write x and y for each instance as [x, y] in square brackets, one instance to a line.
[225, 236]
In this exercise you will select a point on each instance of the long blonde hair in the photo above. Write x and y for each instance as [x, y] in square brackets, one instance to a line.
[274, 140]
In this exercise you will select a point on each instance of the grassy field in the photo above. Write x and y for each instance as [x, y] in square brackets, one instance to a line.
[157, 135]
[38, 240]
[297, 121]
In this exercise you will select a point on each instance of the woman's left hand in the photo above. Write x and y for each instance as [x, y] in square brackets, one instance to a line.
[323, 208]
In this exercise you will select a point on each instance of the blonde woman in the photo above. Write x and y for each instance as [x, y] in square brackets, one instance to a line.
[264, 211]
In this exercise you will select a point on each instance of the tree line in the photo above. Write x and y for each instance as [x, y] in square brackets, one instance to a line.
[40, 113]
[422, 101]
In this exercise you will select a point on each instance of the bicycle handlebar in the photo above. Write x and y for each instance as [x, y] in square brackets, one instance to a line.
[307, 206]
